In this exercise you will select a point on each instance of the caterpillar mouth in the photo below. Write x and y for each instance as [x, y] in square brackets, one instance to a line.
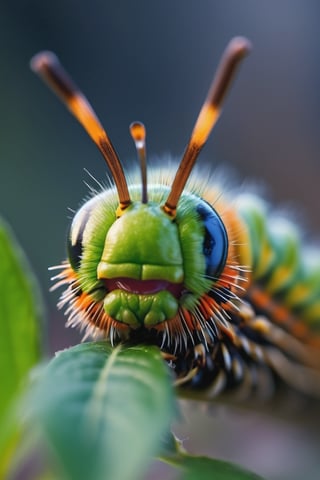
[143, 287]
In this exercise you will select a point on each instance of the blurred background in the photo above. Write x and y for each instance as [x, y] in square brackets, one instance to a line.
[153, 61]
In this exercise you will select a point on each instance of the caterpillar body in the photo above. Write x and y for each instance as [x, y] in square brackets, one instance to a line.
[221, 286]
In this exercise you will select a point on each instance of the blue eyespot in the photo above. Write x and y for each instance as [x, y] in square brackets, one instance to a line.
[215, 243]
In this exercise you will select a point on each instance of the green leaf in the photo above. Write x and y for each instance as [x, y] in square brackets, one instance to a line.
[104, 410]
[204, 468]
[19, 340]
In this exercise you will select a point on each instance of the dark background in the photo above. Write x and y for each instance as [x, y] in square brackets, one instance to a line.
[153, 61]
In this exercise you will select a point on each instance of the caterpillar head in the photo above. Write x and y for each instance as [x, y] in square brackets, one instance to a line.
[148, 259]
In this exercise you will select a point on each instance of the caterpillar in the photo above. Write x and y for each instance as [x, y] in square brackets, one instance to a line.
[222, 286]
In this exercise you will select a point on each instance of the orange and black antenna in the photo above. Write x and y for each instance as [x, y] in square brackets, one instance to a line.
[47, 65]
[236, 50]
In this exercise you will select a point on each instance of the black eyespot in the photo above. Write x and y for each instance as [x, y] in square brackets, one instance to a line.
[215, 243]
[74, 250]
[75, 236]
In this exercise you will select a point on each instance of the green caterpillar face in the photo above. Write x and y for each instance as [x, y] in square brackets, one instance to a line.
[148, 256]
[143, 266]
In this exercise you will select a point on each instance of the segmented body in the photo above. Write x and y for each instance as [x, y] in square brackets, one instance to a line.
[275, 331]
[244, 326]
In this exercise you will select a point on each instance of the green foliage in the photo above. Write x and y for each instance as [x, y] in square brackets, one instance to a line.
[103, 409]
[204, 468]
[195, 467]
[102, 412]
[19, 339]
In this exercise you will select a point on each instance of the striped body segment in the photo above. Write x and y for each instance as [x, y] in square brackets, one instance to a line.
[276, 326]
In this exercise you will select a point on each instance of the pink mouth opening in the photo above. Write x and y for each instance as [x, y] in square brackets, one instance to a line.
[143, 287]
